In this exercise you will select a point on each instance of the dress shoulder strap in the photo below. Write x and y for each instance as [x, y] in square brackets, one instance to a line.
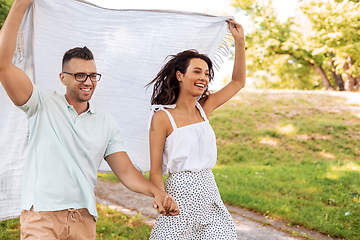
[173, 124]
[203, 115]
[155, 108]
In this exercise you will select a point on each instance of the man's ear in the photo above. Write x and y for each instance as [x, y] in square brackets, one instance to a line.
[62, 78]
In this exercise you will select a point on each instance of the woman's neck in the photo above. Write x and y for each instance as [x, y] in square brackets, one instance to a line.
[186, 105]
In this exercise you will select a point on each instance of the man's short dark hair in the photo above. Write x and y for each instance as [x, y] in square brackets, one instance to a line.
[78, 52]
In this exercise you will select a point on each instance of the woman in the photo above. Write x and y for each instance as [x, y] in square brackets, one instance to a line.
[183, 144]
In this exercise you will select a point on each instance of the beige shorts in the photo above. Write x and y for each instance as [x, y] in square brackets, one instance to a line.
[66, 224]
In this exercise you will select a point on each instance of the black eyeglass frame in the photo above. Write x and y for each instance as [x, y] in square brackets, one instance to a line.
[98, 75]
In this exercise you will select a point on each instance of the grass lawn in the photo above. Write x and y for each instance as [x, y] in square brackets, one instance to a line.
[292, 156]
[113, 225]
[10, 229]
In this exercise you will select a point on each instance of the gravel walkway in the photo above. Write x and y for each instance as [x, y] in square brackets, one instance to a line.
[249, 225]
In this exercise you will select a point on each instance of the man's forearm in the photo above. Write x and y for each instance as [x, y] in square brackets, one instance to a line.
[123, 168]
[136, 182]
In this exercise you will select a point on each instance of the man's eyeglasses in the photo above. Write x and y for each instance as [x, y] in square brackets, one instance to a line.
[82, 77]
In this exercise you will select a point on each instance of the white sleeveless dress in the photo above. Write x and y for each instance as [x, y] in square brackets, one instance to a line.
[189, 155]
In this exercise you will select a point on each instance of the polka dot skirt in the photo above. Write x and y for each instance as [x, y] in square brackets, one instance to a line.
[203, 215]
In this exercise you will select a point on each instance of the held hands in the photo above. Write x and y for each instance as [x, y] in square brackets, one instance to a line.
[165, 205]
[236, 30]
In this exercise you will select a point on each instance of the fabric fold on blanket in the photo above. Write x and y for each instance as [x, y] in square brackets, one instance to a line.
[129, 46]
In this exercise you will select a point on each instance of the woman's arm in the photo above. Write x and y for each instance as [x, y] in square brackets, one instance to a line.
[238, 79]
[160, 128]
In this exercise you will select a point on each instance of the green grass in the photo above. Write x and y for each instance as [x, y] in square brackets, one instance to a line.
[295, 157]
[112, 225]
[10, 229]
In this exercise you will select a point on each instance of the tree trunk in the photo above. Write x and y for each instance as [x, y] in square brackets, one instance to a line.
[352, 82]
[338, 80]
[324, 79]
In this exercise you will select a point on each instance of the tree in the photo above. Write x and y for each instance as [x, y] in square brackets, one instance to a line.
[337, 24]
[294, 54]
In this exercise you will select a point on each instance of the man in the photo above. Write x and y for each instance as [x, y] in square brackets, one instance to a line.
[67, 141]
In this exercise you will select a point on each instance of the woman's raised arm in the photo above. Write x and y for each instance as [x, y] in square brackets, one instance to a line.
[238, 79]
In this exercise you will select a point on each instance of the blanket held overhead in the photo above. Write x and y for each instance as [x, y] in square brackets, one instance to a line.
[129, 46]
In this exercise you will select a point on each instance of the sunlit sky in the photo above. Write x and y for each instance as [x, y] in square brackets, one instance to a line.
[285, 8]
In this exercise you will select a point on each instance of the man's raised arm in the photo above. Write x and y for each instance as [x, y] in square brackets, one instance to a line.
[16, 83]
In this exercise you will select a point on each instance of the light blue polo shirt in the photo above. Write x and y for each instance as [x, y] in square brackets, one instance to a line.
[64, 152]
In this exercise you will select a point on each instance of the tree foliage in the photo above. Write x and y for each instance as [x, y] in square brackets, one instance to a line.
[337, 28]
[4, 10]
[315, 49]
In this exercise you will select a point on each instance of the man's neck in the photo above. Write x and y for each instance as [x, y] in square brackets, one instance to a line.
[79, 107]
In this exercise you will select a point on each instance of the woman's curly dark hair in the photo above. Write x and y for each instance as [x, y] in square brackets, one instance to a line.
[166, 85]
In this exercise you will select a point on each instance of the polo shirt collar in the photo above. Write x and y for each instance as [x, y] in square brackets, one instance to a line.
[91, 109]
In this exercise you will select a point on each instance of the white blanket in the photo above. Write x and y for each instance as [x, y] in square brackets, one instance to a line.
[129, 46]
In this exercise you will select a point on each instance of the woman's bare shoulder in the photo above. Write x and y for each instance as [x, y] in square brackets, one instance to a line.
[160, 118]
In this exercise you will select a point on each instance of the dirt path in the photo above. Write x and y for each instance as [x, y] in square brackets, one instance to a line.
[249, 225]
